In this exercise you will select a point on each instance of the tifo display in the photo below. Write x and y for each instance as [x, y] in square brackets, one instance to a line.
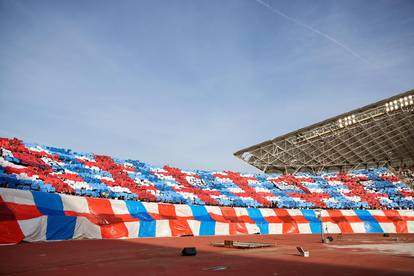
[48, 169]
[49, 193]
[39, 216]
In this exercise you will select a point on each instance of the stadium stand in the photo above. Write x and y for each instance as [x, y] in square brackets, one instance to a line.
[310, 185]
[48, 169]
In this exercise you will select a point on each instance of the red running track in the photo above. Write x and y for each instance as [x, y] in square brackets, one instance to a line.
[161, 256]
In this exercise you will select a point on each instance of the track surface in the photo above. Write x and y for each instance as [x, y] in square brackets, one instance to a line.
[377, 255]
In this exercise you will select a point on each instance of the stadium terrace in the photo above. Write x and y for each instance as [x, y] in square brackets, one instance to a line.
[41, 168]
[358, 180]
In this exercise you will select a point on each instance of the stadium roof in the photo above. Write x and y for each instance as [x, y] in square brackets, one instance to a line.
[378, 134]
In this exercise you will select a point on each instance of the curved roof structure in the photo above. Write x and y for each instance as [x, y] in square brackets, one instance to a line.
[378, 134]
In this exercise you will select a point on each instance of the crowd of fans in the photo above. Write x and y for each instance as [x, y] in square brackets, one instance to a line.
[48, 169]
[407, 174]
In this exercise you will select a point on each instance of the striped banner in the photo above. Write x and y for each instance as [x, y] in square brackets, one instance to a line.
[38, 216]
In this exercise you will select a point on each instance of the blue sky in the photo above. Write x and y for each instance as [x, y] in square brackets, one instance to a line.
[187, 83]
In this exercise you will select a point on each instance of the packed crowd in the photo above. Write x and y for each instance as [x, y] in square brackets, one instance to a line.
[49, 169]
[407, 173]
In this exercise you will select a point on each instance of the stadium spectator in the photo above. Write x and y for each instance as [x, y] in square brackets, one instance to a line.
[47, 169]
[407, 173]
